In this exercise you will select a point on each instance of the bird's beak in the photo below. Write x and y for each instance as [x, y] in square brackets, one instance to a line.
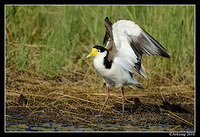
[94, 52]
[89, 55]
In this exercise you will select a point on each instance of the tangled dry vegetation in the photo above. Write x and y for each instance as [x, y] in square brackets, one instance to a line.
[75, 99]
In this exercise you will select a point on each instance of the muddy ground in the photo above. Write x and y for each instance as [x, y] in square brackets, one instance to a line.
[38, 103]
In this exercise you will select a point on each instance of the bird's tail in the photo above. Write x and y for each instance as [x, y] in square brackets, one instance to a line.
[139, 86]
[135, 83]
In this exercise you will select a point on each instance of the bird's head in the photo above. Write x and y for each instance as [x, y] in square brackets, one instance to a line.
[97, 49]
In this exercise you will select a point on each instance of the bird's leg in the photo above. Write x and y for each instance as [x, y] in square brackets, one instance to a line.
[122, 100]
[105, 100]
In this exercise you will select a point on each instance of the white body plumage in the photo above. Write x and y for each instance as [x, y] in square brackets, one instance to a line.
[115, 75]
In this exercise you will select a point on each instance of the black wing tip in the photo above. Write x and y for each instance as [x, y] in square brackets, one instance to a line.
[166, 54]
[108, 21]
[169, 56]
[106, 18]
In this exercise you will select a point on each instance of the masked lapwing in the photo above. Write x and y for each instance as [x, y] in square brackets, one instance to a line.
[126, 42]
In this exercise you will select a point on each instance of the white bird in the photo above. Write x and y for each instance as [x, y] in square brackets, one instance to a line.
[123, 54]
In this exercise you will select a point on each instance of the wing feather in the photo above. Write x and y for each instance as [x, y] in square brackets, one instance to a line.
[131, 41]
[146, 44]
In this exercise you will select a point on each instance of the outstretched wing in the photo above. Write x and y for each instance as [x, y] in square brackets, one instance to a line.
[131, 42]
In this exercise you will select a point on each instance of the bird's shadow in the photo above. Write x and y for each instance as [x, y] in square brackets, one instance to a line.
[138, 106]
[174, 108]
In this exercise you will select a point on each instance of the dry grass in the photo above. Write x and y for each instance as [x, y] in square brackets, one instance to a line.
[77, 99]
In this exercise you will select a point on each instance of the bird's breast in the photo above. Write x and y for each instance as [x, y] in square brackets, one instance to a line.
[99, 65]
[114, 75]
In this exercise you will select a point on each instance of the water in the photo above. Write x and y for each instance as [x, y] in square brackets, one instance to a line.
[143, 117]
[21, 123]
